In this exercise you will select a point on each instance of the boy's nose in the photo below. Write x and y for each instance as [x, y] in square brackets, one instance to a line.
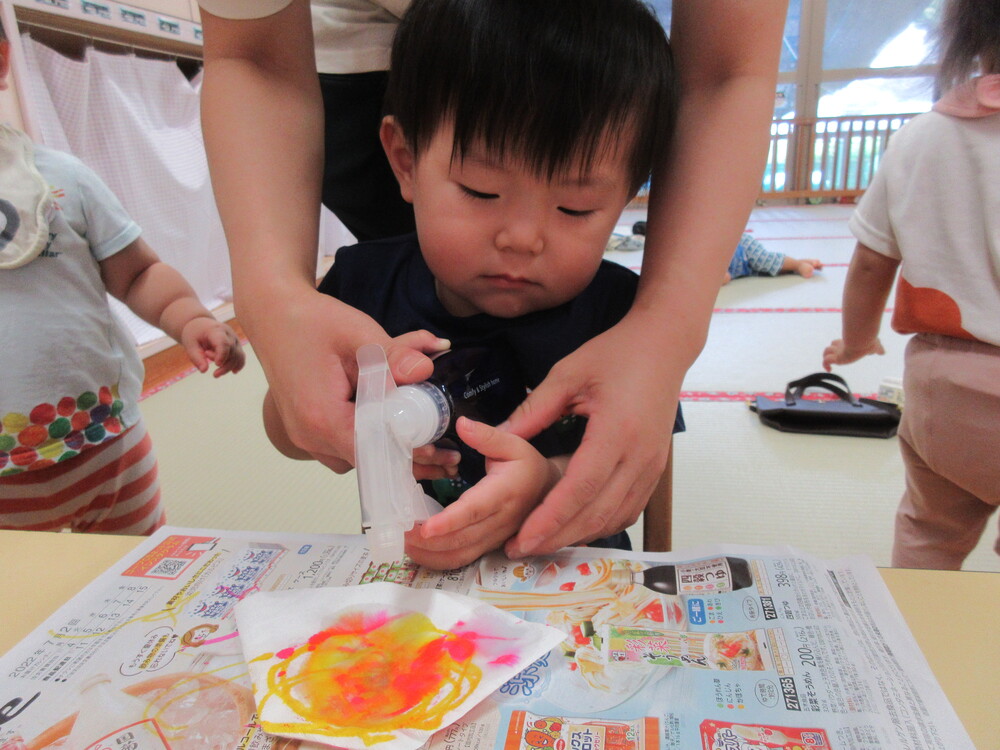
[521, 235]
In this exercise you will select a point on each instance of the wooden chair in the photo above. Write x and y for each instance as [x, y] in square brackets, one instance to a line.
[657, 519]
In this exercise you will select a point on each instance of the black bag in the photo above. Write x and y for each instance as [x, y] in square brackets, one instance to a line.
[848, 415]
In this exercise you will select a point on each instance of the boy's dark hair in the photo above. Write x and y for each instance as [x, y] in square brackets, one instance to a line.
[969, 41]
[543, 81]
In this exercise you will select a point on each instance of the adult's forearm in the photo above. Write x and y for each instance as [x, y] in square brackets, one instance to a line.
[699, 205]
[262, 120]
[726, 56]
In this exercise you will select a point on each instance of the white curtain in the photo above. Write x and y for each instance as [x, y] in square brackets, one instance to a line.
[135, 122]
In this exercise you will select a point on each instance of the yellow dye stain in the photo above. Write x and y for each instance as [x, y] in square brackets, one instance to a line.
[371, 674]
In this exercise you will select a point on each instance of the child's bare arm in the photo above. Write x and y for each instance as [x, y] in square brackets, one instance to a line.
[869, 280]
[158, 294]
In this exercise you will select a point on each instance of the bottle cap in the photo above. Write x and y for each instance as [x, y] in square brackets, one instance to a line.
[385, 434]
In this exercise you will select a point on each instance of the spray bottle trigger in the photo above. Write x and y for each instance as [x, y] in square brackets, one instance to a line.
[391, 500]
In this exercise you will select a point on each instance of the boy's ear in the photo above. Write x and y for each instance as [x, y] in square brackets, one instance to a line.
[399, 154]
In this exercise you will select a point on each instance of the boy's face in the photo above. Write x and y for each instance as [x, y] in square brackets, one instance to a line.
[498, 238]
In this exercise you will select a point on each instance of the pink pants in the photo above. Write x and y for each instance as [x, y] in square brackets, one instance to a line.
[950, 440]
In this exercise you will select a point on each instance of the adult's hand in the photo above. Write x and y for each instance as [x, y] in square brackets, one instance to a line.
[308, 351]
[628, 391]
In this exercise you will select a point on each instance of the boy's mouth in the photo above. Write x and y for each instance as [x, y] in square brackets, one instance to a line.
[507, 281]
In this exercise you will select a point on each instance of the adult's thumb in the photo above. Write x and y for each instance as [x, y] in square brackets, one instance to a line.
[543, 406]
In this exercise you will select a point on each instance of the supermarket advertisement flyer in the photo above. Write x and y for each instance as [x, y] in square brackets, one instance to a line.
[713, 648]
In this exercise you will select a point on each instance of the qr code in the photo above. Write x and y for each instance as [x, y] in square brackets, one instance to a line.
[170, 567]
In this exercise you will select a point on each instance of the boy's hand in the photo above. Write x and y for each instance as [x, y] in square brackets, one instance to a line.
[838, 353]
[431, 462]
[488, 514]
[208, 341]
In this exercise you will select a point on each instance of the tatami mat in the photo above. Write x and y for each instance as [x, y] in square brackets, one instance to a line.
[764, 351]
[218, 469]
[738, 481]
[823, 291]
[734, 480]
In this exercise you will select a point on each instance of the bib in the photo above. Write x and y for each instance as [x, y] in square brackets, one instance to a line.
[25, 200]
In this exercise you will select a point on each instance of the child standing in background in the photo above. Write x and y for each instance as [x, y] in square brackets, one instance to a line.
[519, 131]
[74, 453]
[933, 211]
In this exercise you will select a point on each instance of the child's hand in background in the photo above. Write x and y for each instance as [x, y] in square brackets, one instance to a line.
[491, 512]
[207, 342]
[838, 353]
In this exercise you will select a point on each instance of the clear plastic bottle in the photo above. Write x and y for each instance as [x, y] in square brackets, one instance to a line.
[110, 719]
[390, 421]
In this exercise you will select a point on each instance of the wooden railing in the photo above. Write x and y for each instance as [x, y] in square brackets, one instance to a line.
[825, 157]
[821, 157]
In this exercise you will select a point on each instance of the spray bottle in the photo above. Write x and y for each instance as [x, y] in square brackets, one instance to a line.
[390, 421]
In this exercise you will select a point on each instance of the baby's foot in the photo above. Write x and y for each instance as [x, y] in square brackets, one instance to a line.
[806, 268]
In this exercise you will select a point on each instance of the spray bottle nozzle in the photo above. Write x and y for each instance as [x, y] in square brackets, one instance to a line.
[389, 422]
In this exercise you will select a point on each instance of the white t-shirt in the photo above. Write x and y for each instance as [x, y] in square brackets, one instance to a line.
[351, 36]
[934, 203]
[70, 375]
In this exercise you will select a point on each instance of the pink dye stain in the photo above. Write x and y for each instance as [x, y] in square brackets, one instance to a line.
[506, 660]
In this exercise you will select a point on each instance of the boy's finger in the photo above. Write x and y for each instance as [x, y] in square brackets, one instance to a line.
[493, 443]
[595, 473]
[468, 512]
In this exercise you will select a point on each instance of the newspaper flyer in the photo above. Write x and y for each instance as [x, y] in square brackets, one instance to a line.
[714, 648]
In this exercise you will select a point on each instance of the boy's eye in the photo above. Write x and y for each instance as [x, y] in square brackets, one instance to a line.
[575, 212]
[477, 194]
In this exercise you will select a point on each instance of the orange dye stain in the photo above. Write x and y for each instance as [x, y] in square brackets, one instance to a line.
[371, 674]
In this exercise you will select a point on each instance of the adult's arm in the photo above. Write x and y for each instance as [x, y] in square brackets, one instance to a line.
[262, 119]
[627, 380]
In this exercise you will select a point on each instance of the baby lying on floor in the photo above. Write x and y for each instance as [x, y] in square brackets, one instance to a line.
[750, 259]
[753, 259]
